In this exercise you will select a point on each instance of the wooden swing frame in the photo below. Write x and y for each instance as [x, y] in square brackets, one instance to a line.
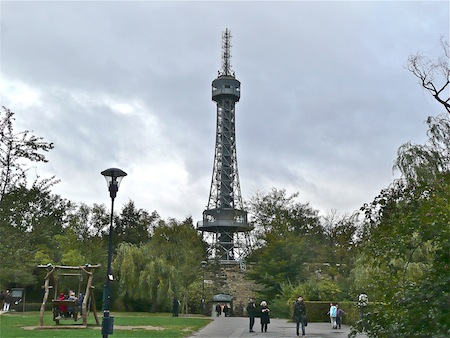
[88, 270]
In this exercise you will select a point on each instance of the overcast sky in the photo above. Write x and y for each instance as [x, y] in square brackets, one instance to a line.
[326, 98]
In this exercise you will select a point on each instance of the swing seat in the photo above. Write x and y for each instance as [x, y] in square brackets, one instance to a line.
[71, 313]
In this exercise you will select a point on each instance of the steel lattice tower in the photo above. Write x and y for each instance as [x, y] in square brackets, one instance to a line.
[224, 220]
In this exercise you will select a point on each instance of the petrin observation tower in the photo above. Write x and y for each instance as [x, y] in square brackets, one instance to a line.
[224, 223]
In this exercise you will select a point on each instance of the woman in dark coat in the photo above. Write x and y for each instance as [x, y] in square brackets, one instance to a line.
[265, 316]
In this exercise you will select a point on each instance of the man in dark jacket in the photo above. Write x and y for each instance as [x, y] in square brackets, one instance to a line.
[251, 312]
[226, 310]
[300, 315]
[175, 306]
[218, 310]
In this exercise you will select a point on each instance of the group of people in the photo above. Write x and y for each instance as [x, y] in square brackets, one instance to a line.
[335, 314]
[222, 308]
[264, 314]
[70, 311]
[299, 312]
[6, 300]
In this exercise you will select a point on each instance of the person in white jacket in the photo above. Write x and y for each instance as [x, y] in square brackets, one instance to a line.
[333, 314]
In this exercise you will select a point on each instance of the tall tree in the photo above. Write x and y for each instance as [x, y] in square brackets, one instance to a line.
[288, 236]
[88, 222]
[404, 260]
[182, 245]
[134, 225]
[16, 149]
[16, 256]
[90, 226]
[275, 212]
[163, 267]
[340, 234]
[405, 249]
[29, 221]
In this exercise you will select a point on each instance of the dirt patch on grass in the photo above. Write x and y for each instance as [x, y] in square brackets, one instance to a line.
[59, 327]
[138, 327]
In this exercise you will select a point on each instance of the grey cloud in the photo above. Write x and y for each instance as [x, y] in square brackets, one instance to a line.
[325, 102]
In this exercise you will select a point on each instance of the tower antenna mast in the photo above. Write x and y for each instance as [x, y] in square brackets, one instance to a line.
[226, 54]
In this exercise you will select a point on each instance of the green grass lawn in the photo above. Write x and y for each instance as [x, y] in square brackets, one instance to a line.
[18, 324]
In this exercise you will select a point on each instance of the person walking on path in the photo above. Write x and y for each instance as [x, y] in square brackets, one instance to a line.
[225, 310]
[265, 316]
[339, 315]
[251, 312]
[333, 313]
[218, 310]
[8, 300]
[300, 315]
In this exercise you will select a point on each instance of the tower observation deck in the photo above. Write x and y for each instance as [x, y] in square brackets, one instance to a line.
[224, 220]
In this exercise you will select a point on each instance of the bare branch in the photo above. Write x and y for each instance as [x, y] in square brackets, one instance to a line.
[434, 76]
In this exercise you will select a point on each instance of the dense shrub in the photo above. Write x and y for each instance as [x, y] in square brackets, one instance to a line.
[316, 310]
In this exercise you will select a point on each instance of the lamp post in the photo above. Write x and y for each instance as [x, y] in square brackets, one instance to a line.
[203, 286]
[113, 177]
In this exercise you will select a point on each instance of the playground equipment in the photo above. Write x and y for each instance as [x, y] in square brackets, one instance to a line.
[55, 273]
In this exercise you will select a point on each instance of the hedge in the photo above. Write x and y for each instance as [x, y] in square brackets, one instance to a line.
[317, 312]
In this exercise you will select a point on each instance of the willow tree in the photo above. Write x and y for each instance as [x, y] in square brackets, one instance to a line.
[406, 241]
[417, 162]
[143, 275]
[404, 258]
[181, 245]
[166, 266]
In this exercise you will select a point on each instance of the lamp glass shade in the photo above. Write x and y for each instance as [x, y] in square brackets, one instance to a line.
[113, 175]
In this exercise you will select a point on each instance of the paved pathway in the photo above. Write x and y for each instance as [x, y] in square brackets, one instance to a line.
[231, 327]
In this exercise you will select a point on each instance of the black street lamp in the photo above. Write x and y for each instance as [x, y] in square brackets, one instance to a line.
[203, 286]
[113, 177]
